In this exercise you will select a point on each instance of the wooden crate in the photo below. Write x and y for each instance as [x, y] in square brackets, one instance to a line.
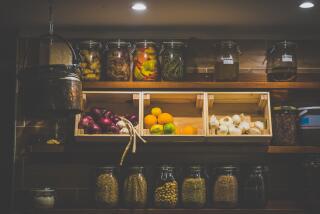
[255, 104]
[119, 102]
[187, 108]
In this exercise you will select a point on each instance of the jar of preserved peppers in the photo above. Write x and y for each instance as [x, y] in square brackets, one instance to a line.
[194, 192]
[166, 191]
[118, 61]
[107, 187]
[227, 62]
[172, 61]
[90, 60]
[285, 125]
[145, 59]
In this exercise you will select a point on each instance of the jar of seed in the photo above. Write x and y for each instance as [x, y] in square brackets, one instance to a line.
[135, 188]
[107, 187]
[166, 191]
[225, 189]
[193, 192]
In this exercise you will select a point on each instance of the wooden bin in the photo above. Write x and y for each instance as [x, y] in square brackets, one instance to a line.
[120, 103]
[187, 108]
[255, 104]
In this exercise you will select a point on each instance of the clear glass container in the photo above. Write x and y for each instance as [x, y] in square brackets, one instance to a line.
[90, 60]
[172, 61]
[118, 61]
[146, 67]
[312, 184]
[282, 62]
[285, 125]
[194, 191]
[227, 62]
[43, 198]
[135, 188]
[225, 189]
[254, 190]
[107, 187]
[166, 190]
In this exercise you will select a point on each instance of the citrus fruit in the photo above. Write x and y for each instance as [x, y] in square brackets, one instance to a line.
[189, 130]
[156, 111]
[150, 120]
[165, 118]
[156, 129]
[169, 128]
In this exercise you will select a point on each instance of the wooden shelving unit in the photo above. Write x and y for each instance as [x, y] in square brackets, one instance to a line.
[293, 149]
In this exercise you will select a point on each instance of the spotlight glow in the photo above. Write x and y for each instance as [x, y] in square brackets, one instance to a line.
[306, 5]
[139, 6]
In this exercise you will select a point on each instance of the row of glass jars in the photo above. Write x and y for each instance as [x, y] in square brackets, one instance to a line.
[191, 192]
[281, 61]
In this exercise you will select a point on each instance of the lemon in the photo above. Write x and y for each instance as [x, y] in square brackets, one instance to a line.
[156, 111]
[156, 129]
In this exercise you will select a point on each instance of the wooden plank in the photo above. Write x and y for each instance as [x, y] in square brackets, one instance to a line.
[293, 149]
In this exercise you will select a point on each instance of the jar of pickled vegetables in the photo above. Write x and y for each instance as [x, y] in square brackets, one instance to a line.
[172, 61]
[90, 60]
[118, 61]
[166, 191]
[145, 59]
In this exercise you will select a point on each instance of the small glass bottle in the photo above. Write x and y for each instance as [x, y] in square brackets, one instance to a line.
[172, 61]
[166, 191]
[194, 192]
[135, 188]
[254, 190]
[43, 198]
[107, 187]
[225, 189]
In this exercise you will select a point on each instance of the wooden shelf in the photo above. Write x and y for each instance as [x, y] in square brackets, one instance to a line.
[293, 149]
[200, 85]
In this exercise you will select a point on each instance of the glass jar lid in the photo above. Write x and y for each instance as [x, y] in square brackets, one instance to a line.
[119, 43]
[286, 44]
[285, 108]
[43, 190]
[173, 43]
[229, 168]
[145, 43]
[90, 43]
[228, 43]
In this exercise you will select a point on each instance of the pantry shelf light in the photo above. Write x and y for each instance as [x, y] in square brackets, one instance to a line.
[139, 6]
[306, 4]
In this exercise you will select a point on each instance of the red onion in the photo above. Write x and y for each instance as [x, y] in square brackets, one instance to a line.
[105, 122]
[133, 119]
[85, 121]
[114, 129]
[116, 119]
[94, 129]
[96, 112]
[108, 114]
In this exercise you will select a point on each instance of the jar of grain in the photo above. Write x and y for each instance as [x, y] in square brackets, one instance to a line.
[43, 198]
[107, 187]
[225, 189]
[193, 192]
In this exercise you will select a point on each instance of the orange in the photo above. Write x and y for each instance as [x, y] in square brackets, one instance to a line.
[165, 118]
[150, 120]
[189, 130]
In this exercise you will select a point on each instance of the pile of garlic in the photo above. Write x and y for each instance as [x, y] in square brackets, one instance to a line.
[235, 125]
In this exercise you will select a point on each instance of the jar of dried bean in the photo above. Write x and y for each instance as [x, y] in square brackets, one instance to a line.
[135, 188]
[285, 125]
[225, 189]
[166, 190]
[90, 60]
[193, 192]
[118, 61]
[107, 187]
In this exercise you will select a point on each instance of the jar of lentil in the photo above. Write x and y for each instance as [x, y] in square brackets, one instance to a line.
[135, 188]
[166, 190]
[254, 190]
[285, 125]
[90, 60]
[172, 61]
[118, 61]
[43, 198]
[227, 62]
[225, 189]
[107, 187]
[145, 59]
[194, 191]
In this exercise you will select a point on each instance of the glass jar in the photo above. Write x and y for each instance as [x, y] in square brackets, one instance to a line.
[166, 190]
[312, 184]
[282, 62]
[43, 198]
[194, 192]
[118, 61]
[254, 190]
[107, 187]
[145, 62]
[285, 125]
[135, 188]
[90, 60]
[172, 61]
[227, 62]
[225, 190]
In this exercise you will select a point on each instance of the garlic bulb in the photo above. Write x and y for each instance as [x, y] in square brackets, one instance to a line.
[244, 126]
[226, 121]
[235, 131]
[214, 122]
[222, 130]
[124, 131]
[236, 119]
[259, 125]
[245, 118]
[254, 131]
[121, 124]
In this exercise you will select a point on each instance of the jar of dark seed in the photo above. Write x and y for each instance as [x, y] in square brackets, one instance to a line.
[107, 187]
[285, 125]
[225, 189]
